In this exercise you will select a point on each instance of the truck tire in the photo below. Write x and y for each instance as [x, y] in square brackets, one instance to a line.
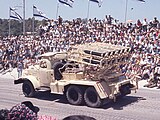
[74, 95]
[57, 73]
[28, 89]
[124, 90]
[91, 98]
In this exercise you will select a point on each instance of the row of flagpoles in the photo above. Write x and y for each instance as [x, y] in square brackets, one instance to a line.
[38, 13]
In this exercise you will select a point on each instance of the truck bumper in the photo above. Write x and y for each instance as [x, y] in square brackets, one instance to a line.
[18, 81]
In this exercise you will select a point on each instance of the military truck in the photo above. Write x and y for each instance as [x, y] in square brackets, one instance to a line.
[86, 74]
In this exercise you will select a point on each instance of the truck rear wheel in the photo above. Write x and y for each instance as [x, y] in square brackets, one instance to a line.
[91, 98]
[28, 89]
[74, 95]
[124, 90]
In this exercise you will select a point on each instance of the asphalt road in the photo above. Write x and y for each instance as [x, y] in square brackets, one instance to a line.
[143, 105]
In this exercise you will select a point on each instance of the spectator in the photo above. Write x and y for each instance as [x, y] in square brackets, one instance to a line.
[4, 114]
[145, 24]
[155, 22]
[19, 68]
[23, 111]
[60, 20]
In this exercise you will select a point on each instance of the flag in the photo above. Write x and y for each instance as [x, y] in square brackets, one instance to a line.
[141, 0]
[15, 15]
[67, 2]
[97, 1]
[38, 13]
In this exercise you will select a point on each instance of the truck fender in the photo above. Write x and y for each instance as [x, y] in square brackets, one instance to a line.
[102, 89]
[32, 79]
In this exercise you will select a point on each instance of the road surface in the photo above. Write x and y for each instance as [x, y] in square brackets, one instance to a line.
[143, 105]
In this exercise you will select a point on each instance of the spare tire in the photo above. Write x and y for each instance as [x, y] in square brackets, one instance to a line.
[57, 72]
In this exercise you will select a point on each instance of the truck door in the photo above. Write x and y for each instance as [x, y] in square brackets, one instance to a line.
[45, 74]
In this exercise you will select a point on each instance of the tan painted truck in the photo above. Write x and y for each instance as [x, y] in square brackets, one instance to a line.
[88, 73]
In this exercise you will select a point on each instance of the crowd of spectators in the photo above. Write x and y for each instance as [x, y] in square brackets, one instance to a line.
[143, 36]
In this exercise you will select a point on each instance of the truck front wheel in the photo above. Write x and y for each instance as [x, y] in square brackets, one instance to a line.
[91, 98]
[28, 89]
[74, 95]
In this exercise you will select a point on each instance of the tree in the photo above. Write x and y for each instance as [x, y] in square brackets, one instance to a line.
[16, 26]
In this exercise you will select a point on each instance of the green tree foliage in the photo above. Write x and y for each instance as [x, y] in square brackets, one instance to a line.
[4, 27]
[17, 26]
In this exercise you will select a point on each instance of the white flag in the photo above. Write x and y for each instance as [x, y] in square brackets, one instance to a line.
[67, 2]
[97, 1]
[15, 15]
[38, 13]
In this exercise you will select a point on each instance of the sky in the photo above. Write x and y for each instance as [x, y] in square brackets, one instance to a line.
[115, 8]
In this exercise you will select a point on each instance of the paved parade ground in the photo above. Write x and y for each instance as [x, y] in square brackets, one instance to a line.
[143, 105]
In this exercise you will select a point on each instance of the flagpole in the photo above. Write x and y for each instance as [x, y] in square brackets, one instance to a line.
[57, 10]
[24, 18]
[88, 9]
[126, 10]
[9, 22]
[33, 22]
